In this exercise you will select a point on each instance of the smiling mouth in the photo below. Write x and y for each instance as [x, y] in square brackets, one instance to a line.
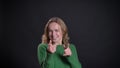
[54, 39]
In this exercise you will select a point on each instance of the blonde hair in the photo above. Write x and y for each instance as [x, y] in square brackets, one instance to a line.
[59, 21]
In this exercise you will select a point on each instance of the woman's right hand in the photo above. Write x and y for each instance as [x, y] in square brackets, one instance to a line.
[51, 47]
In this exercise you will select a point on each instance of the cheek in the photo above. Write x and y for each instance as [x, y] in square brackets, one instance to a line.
[60, 34]
[49, 34]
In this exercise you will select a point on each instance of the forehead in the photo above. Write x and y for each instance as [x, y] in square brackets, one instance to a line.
[54, 25]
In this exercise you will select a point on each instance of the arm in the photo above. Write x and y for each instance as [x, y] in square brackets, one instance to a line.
[73, 59]
[44, 57]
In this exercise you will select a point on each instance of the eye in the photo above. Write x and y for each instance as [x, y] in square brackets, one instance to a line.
[50, 30]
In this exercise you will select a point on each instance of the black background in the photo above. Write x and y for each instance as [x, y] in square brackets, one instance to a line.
[93, 28]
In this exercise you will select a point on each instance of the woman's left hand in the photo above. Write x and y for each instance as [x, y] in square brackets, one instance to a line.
[67, 52]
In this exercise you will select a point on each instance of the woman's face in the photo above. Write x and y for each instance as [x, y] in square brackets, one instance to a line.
[55, 33]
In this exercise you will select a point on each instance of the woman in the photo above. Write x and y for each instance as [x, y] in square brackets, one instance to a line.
[55, 51]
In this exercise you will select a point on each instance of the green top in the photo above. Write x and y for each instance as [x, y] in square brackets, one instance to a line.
[57, 60]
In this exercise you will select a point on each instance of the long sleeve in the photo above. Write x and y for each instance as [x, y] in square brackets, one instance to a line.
[73, 59]
[45, 59]
[57, 60]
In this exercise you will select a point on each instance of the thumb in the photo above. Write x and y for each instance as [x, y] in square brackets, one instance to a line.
[50, 42]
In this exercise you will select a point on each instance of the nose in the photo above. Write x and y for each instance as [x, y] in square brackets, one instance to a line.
[53, 33]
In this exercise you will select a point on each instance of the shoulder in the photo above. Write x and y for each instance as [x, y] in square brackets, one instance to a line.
[42, 45]
[72, 46]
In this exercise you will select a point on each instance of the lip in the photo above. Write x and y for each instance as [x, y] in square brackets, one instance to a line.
[54, 39]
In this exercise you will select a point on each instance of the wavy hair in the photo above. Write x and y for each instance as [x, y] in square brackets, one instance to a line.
[59, 21]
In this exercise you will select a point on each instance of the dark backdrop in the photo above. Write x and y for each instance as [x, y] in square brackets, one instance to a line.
[93, 28]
